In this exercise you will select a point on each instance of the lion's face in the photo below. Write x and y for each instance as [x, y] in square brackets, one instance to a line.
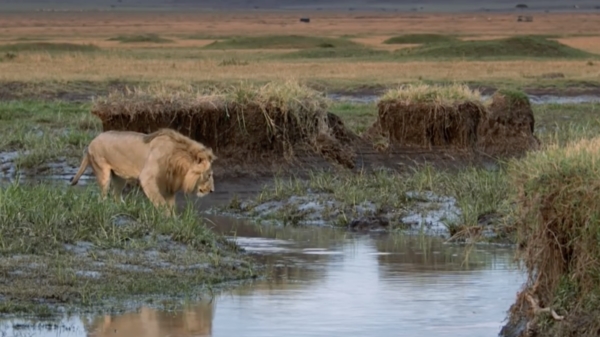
[205, 184]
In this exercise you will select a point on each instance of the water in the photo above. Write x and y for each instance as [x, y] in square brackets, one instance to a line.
[328, 282]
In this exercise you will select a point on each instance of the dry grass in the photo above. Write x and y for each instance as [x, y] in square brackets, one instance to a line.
[322, 24]
[588, 43]
[558, 224]
[36, 67]
[433, 94]
[181, 60]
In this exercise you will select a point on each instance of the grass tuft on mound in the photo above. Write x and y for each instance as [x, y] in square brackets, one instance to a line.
[83, 250]
[513, 47]
[558, 194]
[48, 47]
[281, 42]
[420, 39]
[142, 38]
[436, 94]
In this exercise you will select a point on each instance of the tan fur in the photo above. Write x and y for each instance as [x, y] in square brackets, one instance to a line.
[164, 162]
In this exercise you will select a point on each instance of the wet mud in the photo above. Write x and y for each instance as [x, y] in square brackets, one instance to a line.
[429, 214]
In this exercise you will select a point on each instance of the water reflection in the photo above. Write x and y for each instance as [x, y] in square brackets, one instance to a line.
[325, 282]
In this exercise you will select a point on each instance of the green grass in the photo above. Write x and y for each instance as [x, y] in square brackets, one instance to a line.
[420, 39]
[341, 52]
[513, 47]
[142, 38]
[281, 42]
[86, 253]
[358, 117]
[50, 47]
[44, 132]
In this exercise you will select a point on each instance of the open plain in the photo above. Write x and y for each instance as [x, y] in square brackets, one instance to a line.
[406, 134]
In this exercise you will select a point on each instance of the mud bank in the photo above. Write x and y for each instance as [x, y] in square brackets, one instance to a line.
[424, 213]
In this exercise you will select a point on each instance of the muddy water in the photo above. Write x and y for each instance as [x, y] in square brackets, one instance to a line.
[325, 282]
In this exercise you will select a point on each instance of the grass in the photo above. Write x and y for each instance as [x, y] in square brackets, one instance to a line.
[141, 38]
[281, 42]
[420, 39]
[336, 53]
[87, 253]
[557, 193]
[287, 97]
[512, 47]
[45, 132]
[50, 47]
[436, 94]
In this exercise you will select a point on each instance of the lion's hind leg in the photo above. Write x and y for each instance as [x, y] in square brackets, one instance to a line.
[103, 175]
[117, 184]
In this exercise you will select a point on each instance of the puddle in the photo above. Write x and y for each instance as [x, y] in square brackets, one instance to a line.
[535, 99]
[325, 282]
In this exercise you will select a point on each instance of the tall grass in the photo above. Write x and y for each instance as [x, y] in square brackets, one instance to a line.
[558, 226]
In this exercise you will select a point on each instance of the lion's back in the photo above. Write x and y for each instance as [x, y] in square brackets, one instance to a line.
[124, 151]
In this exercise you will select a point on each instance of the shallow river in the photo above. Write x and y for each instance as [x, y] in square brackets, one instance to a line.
[328, 283]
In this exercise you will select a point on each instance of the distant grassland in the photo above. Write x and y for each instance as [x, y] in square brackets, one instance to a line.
[330, 52]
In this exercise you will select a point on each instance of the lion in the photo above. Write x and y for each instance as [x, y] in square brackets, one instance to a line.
[163, 162]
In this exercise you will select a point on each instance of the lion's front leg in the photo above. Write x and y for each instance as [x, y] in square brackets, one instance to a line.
[148, 182]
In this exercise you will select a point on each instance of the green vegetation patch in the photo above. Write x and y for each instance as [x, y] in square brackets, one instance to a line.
[61, 245]
[513, 47]
[344, 52]
[281, 42]
[420, 39]
[142, 38]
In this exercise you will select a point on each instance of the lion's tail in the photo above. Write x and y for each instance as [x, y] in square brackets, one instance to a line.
[84, 164]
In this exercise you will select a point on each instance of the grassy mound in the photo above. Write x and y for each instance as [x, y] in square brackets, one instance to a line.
[518, 46]
[48, 47]
[281, 42]
[426, 116]
[344, 52]
[69, 248]
[509, 130]
[143, 38]
[420, 39]
[558, 194]
[245, 122]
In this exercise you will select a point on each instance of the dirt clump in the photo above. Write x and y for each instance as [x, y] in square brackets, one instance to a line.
[431, 116]
[509, 129]
[272, 125]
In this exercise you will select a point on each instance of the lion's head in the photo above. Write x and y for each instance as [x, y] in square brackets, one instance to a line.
[199, 176]
[205, 184]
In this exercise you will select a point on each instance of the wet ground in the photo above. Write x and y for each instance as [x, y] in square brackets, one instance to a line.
[325, 282]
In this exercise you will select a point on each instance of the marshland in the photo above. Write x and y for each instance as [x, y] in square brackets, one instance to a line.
[386, 166]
